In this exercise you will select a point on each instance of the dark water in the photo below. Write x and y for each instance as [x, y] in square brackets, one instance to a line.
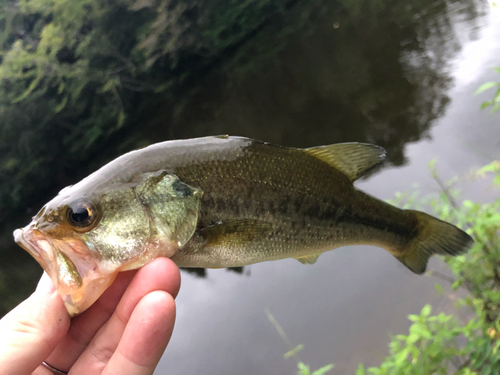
[398, 75]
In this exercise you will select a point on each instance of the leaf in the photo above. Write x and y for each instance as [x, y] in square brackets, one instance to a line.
[293, 351]
[467, 203]
[426, 310]
[413, 317]
[485, 86]
[486, 104]
[61, 105]
[323, 370]
[303, 369]
[110, 85]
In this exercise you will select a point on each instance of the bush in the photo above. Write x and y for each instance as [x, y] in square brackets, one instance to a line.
[438, 344]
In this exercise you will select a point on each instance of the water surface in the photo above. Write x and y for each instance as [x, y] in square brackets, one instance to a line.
[400, 75]
[402, 80]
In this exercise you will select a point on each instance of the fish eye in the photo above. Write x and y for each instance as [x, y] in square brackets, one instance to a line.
[82, 214]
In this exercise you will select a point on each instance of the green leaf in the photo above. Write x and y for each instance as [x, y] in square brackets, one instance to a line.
[413, 317]
[293, 351]
[323, 370]
[426, 311]
[485, 86]
[61, 105]
[303, 369]
[486, 104]
[496, 180]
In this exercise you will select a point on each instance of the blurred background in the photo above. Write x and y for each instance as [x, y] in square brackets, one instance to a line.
[83, 82]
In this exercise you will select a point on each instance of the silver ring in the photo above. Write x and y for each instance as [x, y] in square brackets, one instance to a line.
[52, 369]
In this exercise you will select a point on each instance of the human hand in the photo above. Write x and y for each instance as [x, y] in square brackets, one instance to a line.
[124, 332]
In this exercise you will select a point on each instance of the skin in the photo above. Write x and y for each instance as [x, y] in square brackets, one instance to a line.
[125, 332]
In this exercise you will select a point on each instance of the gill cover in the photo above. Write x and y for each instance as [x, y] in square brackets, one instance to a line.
[153, 215]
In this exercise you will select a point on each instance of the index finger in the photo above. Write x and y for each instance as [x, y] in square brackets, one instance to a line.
[161, 273]
[162, 277]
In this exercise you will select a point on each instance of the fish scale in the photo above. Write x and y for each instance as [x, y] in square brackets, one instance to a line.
[279, 198]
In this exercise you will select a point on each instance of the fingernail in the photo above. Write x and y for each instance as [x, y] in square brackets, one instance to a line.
[45, 285]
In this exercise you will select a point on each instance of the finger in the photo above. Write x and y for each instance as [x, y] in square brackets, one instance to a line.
[32, 330]
[84, 326]
[146, 336]
[163, 275]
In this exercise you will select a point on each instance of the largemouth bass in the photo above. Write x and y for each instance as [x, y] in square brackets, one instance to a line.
[222, 202]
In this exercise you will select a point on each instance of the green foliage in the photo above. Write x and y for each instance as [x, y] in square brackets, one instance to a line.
[495, 102]
[438, 344]
[304, 369]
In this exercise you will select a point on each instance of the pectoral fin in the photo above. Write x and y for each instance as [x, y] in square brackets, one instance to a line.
[308, 259]
[352, 159]
[236, 232]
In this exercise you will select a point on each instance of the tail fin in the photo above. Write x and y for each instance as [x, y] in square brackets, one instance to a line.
[434, 237]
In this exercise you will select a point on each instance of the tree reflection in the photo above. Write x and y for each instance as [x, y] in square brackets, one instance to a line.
[325, 72]
[336, 72]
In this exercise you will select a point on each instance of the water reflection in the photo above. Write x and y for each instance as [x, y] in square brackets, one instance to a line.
[202, 272]
[327, 72]
[335, 72]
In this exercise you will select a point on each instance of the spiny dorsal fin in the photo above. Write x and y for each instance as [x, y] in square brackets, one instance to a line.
[308, 259]
[352, 159]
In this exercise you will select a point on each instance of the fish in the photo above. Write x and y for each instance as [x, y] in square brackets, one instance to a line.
[222, 201]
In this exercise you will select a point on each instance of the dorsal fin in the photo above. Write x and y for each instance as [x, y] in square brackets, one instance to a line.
[352, 159]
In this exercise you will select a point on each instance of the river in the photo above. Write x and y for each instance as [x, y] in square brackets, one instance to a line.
[400, 75]
[339, 78]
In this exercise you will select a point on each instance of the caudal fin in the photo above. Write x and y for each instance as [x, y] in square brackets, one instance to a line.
[434, 237]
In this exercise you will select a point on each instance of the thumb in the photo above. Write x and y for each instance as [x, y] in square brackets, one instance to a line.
[31, 331]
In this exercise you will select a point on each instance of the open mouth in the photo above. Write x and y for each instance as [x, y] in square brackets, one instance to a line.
[69, 264]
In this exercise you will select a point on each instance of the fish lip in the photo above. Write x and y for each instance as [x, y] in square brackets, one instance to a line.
[21, 241]
[28, 238]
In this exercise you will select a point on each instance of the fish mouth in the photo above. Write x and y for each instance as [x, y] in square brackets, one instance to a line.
[70, 265]
[37, 246]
